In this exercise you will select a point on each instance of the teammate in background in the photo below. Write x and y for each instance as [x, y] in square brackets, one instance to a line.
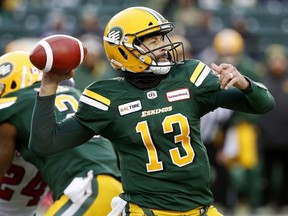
[152, 115]
[18, 204]
[22, 188]
[240, 150]
[272, 139]
[83, 179]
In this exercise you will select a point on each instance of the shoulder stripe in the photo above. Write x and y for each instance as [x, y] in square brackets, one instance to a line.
[196, 72]
[202, 76]
[199, 74]
[96, 97]
[7, 102]
[93, 103]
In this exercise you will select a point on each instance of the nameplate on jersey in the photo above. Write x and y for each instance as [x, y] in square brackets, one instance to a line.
[178, 95]
[131, 107]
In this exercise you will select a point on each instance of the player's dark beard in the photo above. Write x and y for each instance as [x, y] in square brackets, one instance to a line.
[144, 80]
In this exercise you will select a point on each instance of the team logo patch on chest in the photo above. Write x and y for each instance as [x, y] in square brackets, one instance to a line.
[177, 95]
[131, 107]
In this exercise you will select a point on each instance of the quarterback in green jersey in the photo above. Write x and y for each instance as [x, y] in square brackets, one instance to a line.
[83, 180]
[152, 115]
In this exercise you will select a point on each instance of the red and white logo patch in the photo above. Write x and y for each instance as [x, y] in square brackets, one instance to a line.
[131, 107]
[177, 95]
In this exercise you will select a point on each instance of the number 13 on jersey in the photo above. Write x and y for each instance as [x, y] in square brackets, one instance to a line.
[155, 164]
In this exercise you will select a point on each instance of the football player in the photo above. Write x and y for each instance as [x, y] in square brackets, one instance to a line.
[83, 180]
[152, 115]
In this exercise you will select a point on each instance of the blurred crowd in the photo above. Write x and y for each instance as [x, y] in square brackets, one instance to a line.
[248, 153]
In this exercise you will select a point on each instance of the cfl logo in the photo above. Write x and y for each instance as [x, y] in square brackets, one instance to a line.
[152, 95]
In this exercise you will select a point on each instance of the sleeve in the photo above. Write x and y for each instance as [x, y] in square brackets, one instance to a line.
[96, 109]
[256, 100]
[49, 137]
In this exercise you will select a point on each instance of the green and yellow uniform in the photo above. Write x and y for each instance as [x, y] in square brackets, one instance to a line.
[156, 131]
[60, 169]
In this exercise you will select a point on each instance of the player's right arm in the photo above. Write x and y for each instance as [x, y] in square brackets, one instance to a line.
[47, 135]
[50, 82]
[7, 147]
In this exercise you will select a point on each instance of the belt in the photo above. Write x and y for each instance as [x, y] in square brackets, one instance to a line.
[204, 210]
[148, 212]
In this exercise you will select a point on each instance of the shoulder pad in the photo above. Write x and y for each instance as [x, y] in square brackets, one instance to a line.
[200, 72]
[7, 102]
[94, 99]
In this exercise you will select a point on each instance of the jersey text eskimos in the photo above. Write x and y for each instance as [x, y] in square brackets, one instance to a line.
[156, 111]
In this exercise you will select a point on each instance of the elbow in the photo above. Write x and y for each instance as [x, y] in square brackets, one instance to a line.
[36, 151]
[271, 105]
[36, 148]
[268, 107]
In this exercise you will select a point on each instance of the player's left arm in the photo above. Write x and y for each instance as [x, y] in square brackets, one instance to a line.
[7, 146]
[241, 93]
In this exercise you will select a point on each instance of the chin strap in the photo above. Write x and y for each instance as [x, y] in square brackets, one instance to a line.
[160, 68]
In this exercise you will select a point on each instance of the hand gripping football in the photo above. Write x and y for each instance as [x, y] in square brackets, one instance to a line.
[58, 53]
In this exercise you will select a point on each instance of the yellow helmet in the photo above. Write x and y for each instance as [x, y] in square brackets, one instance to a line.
[122, 39]
[228, 42]
[23, 44]
[17, 72]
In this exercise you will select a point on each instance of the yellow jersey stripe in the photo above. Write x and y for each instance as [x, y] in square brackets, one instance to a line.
[93, 103]
[202, 76]
[97, 97]
[7, 102]
[197, 72]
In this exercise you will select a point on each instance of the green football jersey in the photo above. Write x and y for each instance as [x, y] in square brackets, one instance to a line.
[156, 132]
[58, 170]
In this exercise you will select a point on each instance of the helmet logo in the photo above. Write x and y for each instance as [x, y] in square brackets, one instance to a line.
[5, 69]
[115, 34]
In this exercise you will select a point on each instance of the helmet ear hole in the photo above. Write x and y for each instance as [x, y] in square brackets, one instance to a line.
[123, 53]
[2, 88]
[13, 85]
